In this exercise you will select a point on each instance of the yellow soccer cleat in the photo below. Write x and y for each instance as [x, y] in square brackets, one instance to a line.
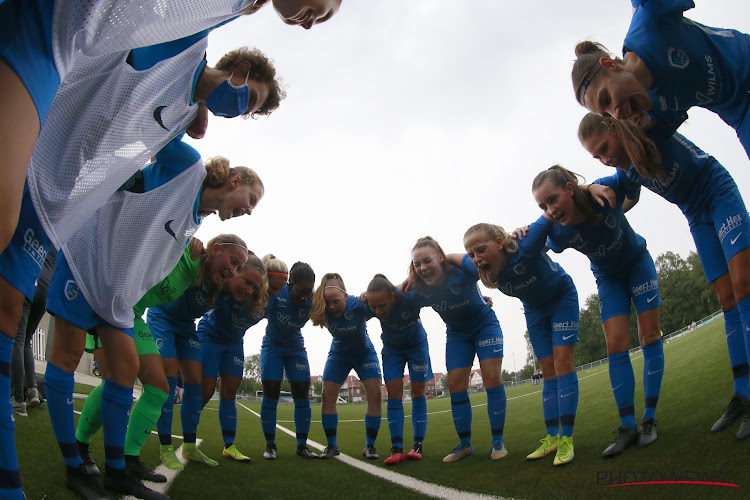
[548, 446]
[233, 453]
[191, 453]
[565, 453]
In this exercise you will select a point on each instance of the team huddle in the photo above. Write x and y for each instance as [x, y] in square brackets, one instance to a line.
[121, 201]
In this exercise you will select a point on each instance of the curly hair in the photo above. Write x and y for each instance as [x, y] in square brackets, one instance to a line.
[207, 257]
[261, 70]
[218, 173]
[494, 233]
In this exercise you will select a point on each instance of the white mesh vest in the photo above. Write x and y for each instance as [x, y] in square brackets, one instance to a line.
[106, 122]
[132, 243]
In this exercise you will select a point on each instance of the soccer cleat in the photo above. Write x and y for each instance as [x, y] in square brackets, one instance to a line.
[32, 397]
[270, 453]
[305, 452]
[191, 453]
[88, 463]
[564, 453]
[744, 430]
[648, 432]
[19, 407]
[119, 481]
[623, 438]
[169, 459]
[79, 481]
[548, 446]
[416, 452]
[397, 456]
[459, 452]
[498, 453]
[233, 453]
[330, 452]
[138, 470]
[369, 452]
[737, 408]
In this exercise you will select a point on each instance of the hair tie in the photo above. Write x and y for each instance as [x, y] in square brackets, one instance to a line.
[587, 81]
[278, 274]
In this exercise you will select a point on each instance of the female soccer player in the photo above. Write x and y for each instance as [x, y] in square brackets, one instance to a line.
[624, 271]
[345, 316]
[521, 268]
[472, 329]
[283, 350]
[681, 173]
[671, 64]
[278, 273]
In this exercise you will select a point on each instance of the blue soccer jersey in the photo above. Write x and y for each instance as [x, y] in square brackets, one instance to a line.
[227, 322]
[349, 331]
[180, 313]
[285, 320]
[403, 328]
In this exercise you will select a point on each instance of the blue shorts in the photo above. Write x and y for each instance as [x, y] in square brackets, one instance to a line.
[176, 339]
[487, 344]
[21, 261]
[275, 360]
[225, 359]
[554, 325]
[26, 47]
[338, 366]
[722, 234]
[418, 358]
[637, 282]
[65, 300]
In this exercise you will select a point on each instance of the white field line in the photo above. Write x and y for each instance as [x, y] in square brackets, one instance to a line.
[429, 489]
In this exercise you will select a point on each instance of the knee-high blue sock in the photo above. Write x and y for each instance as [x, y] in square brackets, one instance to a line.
[116, 403]
[372, 427]
[59, 392]
[550, 408]
[395, 416]
[302, 416]
[623, 387]
[268, 418]
[419, 418]
[190, 411]
[228, 420]
[330, 424]
[653, 373]
[461, 410]
[10, 478]
[567, 390]
[164, 424]
[496, 405]
[738, 357]
[743, 306]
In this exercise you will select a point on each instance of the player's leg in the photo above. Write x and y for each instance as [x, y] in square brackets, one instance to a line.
[459, 356]
[297, 368]
[272, 371]
[334, 375]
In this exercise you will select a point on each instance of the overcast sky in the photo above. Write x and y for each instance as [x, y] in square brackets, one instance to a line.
[424, 117]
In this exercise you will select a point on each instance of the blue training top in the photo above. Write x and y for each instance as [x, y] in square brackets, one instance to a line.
[350, 330]
[403, 328]
[285, 320]
[179, 313]
[227, 322]
[691, 64]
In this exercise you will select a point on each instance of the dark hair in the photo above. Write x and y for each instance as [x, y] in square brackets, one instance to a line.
[588, 54]
[414, 279]
[379, 283]
[560, 177]
[261, 70]
[301, 271]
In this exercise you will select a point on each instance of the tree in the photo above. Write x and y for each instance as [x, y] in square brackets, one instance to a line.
[252, 367]
[530, 359]
[317, 387]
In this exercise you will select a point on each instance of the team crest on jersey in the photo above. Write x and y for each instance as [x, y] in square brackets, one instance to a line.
[678, 58]
[348, 315]
[507, 288]
[71, 290]
[405, 315]
[519, 269]
[611, 221]
[303, 313]
[456, 289]
[159, 344]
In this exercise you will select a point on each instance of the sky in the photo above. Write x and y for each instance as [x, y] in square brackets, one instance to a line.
[406, 119]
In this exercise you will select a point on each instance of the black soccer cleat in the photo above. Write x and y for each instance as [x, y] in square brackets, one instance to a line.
[648, 432]
[138, 470]
[88, 462]
[119, 481]
[330, 452]
[737, 408]
[305, 452]
[78, 480]
[623, 438]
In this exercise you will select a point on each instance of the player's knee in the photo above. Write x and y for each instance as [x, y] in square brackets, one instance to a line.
[300, 390]
[272, 388]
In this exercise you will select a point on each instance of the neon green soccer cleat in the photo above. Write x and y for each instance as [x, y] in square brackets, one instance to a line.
[169, 459]
[191, 453]
[565, 453]
[548, 446]
[233, 453]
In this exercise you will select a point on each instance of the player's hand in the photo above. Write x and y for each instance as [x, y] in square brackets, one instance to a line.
[488, 300]
[603, 193]
[196, 248]
[197, 129]
[519, 232]
[363, 297]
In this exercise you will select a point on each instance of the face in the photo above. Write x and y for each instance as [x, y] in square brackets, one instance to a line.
[227, 259]
[381, 302]
[246, 283]
[557, 203]
[616, 92]
[428, 264]
[306, 13]
[240, 199]
[485, 252]
[606, 147]
[275, 284]
[335, 301]
[259, 91]
[301, 292]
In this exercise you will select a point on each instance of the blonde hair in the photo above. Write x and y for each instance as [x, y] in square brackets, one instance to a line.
[560, 177]
[207, 257]
[260, 300]
[494, 233]
[318, 309]
[414, 279]
[218, 173]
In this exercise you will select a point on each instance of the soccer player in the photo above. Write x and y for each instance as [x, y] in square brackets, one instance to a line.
[521, 268]
[677, 170]
[404, 341]
[624, 272]
[472, 329]
[278, 273]
[345, 316]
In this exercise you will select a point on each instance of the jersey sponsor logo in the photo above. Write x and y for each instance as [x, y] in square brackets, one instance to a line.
[144, 334]
[159, 343]
[648, 286]
[168, 229]
[563, 326]
[507, 288]
[456, 289]
[194, 344]
[157, 116]
[418, 368]
[707, 97]
[732, 222]
[516, 289]
[33, 247]
[678, 58]
[370, 366]
[71, 290]
[302, 366]
[334, 328]
[519, 269]
[491, 342]
[239, 361]
[348, 315]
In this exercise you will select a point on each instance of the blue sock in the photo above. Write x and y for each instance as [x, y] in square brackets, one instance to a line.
[623, 387]
[743, 306]
[395, 416]
[330, 423]
[372, 426]
[549, 407]
[190, 411]
[738, 356]
[461, 410]
[10, 478]
[653, 372]
[496, 405]
[164, 424]
[302, 416]
[419, 418]
[59, 392]
[116, 403]
[268, 418]
[567, 390]
[228, 420]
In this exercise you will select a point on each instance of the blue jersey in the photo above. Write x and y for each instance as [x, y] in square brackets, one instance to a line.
[459, 302]
[192, 304]
[350, 330]
[285, 320]
[691, 64]
[530, 274]
[403, 328]
[227, 322]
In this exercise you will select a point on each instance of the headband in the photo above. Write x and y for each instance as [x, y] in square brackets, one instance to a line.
[262, 271]
[278, 274]
[336, 287]
[587, 81]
